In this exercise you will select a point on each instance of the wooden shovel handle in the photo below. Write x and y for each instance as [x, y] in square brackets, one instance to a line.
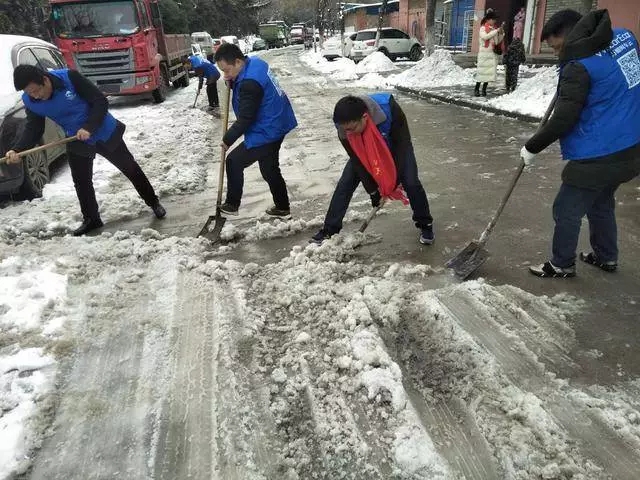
[41, 147]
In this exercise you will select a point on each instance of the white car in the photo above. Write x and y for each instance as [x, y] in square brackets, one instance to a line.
[394, 44]
[29, 177]
[332, 49]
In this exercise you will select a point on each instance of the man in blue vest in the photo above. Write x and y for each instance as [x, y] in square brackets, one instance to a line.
[206, 69]
[597, 120]
[351, 117]
[74, 103]
[264, 116]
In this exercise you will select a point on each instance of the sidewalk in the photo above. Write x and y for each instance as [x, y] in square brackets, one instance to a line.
[468, 60]
[463, 97]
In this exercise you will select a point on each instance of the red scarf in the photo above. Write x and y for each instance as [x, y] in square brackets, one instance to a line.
[374, 154]
[487, 28]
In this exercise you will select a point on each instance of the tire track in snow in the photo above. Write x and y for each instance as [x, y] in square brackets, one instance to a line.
[595, 439]
[104, 421]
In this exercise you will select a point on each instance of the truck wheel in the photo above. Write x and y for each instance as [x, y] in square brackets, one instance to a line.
[160, 93]
[185, 80]
[36, 175]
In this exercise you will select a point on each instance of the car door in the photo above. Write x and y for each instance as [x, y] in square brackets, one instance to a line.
[404, 43]
[50, 59]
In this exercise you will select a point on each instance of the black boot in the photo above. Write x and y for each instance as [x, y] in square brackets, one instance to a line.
[158, 210]
[88, 224]
[476, 92]
[484, 89]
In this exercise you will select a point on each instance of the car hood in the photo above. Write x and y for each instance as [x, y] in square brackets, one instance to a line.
[9, 101]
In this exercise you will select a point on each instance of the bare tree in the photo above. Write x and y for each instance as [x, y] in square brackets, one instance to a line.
[381, 13]
[430, 27]
[321, 17]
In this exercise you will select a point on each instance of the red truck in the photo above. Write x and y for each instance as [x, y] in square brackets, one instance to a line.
[120, 45]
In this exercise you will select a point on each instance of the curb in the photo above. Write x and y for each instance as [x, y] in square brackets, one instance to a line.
[430, 95]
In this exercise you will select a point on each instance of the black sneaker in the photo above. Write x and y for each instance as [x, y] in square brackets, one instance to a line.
[591, 259]
[278, 212]
[88, 225]
[229, 209]
[320, 237]
[158, 210]
[549, 270]
[426, 236]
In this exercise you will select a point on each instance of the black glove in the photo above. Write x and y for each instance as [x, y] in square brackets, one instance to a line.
[375, 199]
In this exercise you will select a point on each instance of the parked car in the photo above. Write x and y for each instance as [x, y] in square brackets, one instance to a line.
[205, 41]
[394, 43]
[259, 44]
[28, 178]
[331, 48]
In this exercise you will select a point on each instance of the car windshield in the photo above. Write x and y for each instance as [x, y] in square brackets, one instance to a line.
[296, 31]
[362, 36]
[95, 19]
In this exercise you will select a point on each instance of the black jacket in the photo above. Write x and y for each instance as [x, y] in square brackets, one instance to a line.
[98, 107]
[400, 142]
[592, 34]
[515, 53]
[250, 94]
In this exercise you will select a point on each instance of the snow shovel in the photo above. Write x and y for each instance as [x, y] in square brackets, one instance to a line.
[371, 216]
[196, 99]
[41, 147]
[214, 235]
[474, 255]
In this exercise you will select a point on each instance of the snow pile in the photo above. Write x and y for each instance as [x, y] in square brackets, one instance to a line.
[341, 69]
[533, 95]
[437, 70]
[32, 311]
[373, 81]
[26, 379]
[377, 62]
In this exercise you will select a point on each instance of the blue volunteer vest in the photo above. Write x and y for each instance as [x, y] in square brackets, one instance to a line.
[69, 110]
[383, 99]
[610, 120]
[210, 70]
[275, 116]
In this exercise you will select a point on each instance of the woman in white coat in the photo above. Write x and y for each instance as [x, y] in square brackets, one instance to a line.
[490, 36]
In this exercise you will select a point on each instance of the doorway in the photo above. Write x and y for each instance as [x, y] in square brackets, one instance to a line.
[507, 10]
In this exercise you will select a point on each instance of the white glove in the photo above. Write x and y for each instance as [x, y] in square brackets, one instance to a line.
[526, 156]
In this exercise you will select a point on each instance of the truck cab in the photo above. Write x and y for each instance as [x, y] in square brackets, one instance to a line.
[120, 45]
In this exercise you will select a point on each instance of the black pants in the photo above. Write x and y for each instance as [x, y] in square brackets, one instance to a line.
[511, 74]
[407, 176]
[484, 88]
[212, 93]
[81, 164]
[268, 158]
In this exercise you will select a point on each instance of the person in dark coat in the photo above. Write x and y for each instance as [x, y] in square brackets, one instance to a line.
[264, 116]
[204, 69]
[73, 102]
[513, 58]
[596, 119]
[353, 117]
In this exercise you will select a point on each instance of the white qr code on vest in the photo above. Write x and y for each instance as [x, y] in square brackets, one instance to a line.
[630, 65]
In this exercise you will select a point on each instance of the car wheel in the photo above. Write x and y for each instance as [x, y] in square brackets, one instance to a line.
[386, 52]
[416, 53]
[36, 175]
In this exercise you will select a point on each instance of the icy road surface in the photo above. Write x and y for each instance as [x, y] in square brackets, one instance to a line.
[143, 353]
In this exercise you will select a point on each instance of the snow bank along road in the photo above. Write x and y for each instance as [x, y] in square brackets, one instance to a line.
[149, 356]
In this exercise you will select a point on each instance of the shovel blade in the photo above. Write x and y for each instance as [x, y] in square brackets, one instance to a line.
[468, 260]
[213, 235]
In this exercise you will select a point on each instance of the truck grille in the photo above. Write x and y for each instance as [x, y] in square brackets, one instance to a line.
[95, 63]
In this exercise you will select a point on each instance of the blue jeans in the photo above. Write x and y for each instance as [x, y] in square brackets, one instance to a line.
[571, 205]
[408, 177]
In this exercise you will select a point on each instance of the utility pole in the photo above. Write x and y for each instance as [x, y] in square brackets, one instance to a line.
[381, 14]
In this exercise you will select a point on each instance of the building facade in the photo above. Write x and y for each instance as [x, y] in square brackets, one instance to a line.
[458, 21]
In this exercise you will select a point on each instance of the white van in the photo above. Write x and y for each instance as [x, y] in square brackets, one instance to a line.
[205, 41]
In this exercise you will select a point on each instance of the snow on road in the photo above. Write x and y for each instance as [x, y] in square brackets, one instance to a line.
[135, 355]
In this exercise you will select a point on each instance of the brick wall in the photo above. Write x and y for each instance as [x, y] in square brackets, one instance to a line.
[582, 6]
